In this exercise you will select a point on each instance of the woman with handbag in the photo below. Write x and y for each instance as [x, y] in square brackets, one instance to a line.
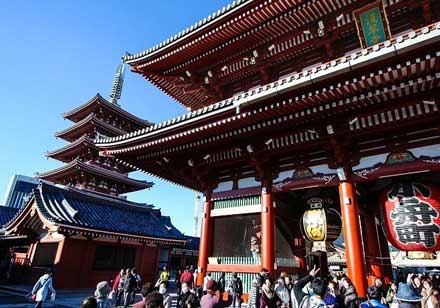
[42, 288]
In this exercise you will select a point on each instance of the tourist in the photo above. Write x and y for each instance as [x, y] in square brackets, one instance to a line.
[154, 300]
[210, 300]
[41, 289]
[165, 274]
[330, 298]
[101, 294]
[283, 293]
[89, 302]
[380, 288]
[408, 296]
[416, 283]
[221, 285]
[288, 282]
[298, 295]
[430, 295]
[187, 277]
[146, 289]
[118, 287]
[236, 290]
[129, 288]
[205, 281]
[374, 297]
[391, 296]
[268, 297]
[349, 295]
[177, 280]
[138, 278]
[255, 294]
[264, 274]
[163, 289]
[187, 299]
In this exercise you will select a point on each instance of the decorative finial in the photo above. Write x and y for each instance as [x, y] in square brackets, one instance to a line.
[118, 82]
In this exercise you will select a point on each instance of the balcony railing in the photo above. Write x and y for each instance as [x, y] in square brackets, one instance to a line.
[236, 202]
[235, 260]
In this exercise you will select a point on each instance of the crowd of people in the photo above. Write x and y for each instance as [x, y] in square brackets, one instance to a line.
[310, 291]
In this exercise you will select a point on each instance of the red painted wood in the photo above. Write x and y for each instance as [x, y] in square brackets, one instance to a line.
[234, 268]
[205, 238]
[267, 229]
[352, 237]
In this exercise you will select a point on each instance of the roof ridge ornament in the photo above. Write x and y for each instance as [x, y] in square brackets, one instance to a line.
[118, 82]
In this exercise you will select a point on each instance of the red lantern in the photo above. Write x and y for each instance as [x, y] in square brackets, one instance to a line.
[411, 216]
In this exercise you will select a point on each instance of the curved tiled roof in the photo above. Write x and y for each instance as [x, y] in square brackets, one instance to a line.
[71, 146]
[71, 209]
[80, 165]
[190, 30]
[71, 114]
[319, 72]
[6, 214]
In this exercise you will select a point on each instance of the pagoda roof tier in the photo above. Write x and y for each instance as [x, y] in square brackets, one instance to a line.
[361, 95]
[71, 212]
[249, 41]
[87, 125]
[73, 149]
[76, 167]
[98, 102]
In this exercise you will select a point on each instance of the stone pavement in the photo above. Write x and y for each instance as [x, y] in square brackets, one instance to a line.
[14, 296]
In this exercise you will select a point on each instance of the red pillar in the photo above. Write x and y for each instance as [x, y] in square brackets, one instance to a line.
[267, 228]
[205, 238]
[372, 250]
[352, 237]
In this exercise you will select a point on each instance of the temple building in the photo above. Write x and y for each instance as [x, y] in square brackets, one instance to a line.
[77, 219]
[325, 107]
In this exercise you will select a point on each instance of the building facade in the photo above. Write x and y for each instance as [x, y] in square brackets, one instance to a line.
[292, 101]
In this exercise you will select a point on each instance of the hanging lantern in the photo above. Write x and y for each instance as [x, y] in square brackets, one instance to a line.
[320, 225]
[411, 216]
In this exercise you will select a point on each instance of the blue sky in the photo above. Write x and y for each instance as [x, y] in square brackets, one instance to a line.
[58, 54]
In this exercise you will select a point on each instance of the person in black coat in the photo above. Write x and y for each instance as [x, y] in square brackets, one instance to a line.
[297, 292]
[129, 288]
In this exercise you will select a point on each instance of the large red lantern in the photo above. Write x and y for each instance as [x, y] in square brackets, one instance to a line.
[411, 215]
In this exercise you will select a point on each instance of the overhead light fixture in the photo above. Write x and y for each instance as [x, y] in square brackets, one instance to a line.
[224, 68]
[271, 47]
[339, 17]
[255, 53]
[210, 74]
[182, 78]
[207, 156]
[269, 141]
[321, 24]
[307, 32]
[158, 162]
[238, 149]
[165, 159]
[330, 129]
[246, 59]
[312, 131]
[252, 61]
[206, 80]
[353, 121]
[250, 148]
[188, 73]
[429, 102]
[190, 163]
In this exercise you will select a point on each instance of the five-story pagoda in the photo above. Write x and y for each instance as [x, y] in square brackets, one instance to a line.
[84, 168]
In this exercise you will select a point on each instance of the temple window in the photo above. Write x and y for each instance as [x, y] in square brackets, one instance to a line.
[45, 254]
[113, 257]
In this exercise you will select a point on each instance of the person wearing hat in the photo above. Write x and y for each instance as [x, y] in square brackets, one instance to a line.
[408, 296]
[210, 300]
[102, 291]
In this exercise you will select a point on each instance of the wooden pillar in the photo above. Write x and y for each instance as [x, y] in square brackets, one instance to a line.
[267, 228]
[205, 238]
[352, 237]
[371, 246]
